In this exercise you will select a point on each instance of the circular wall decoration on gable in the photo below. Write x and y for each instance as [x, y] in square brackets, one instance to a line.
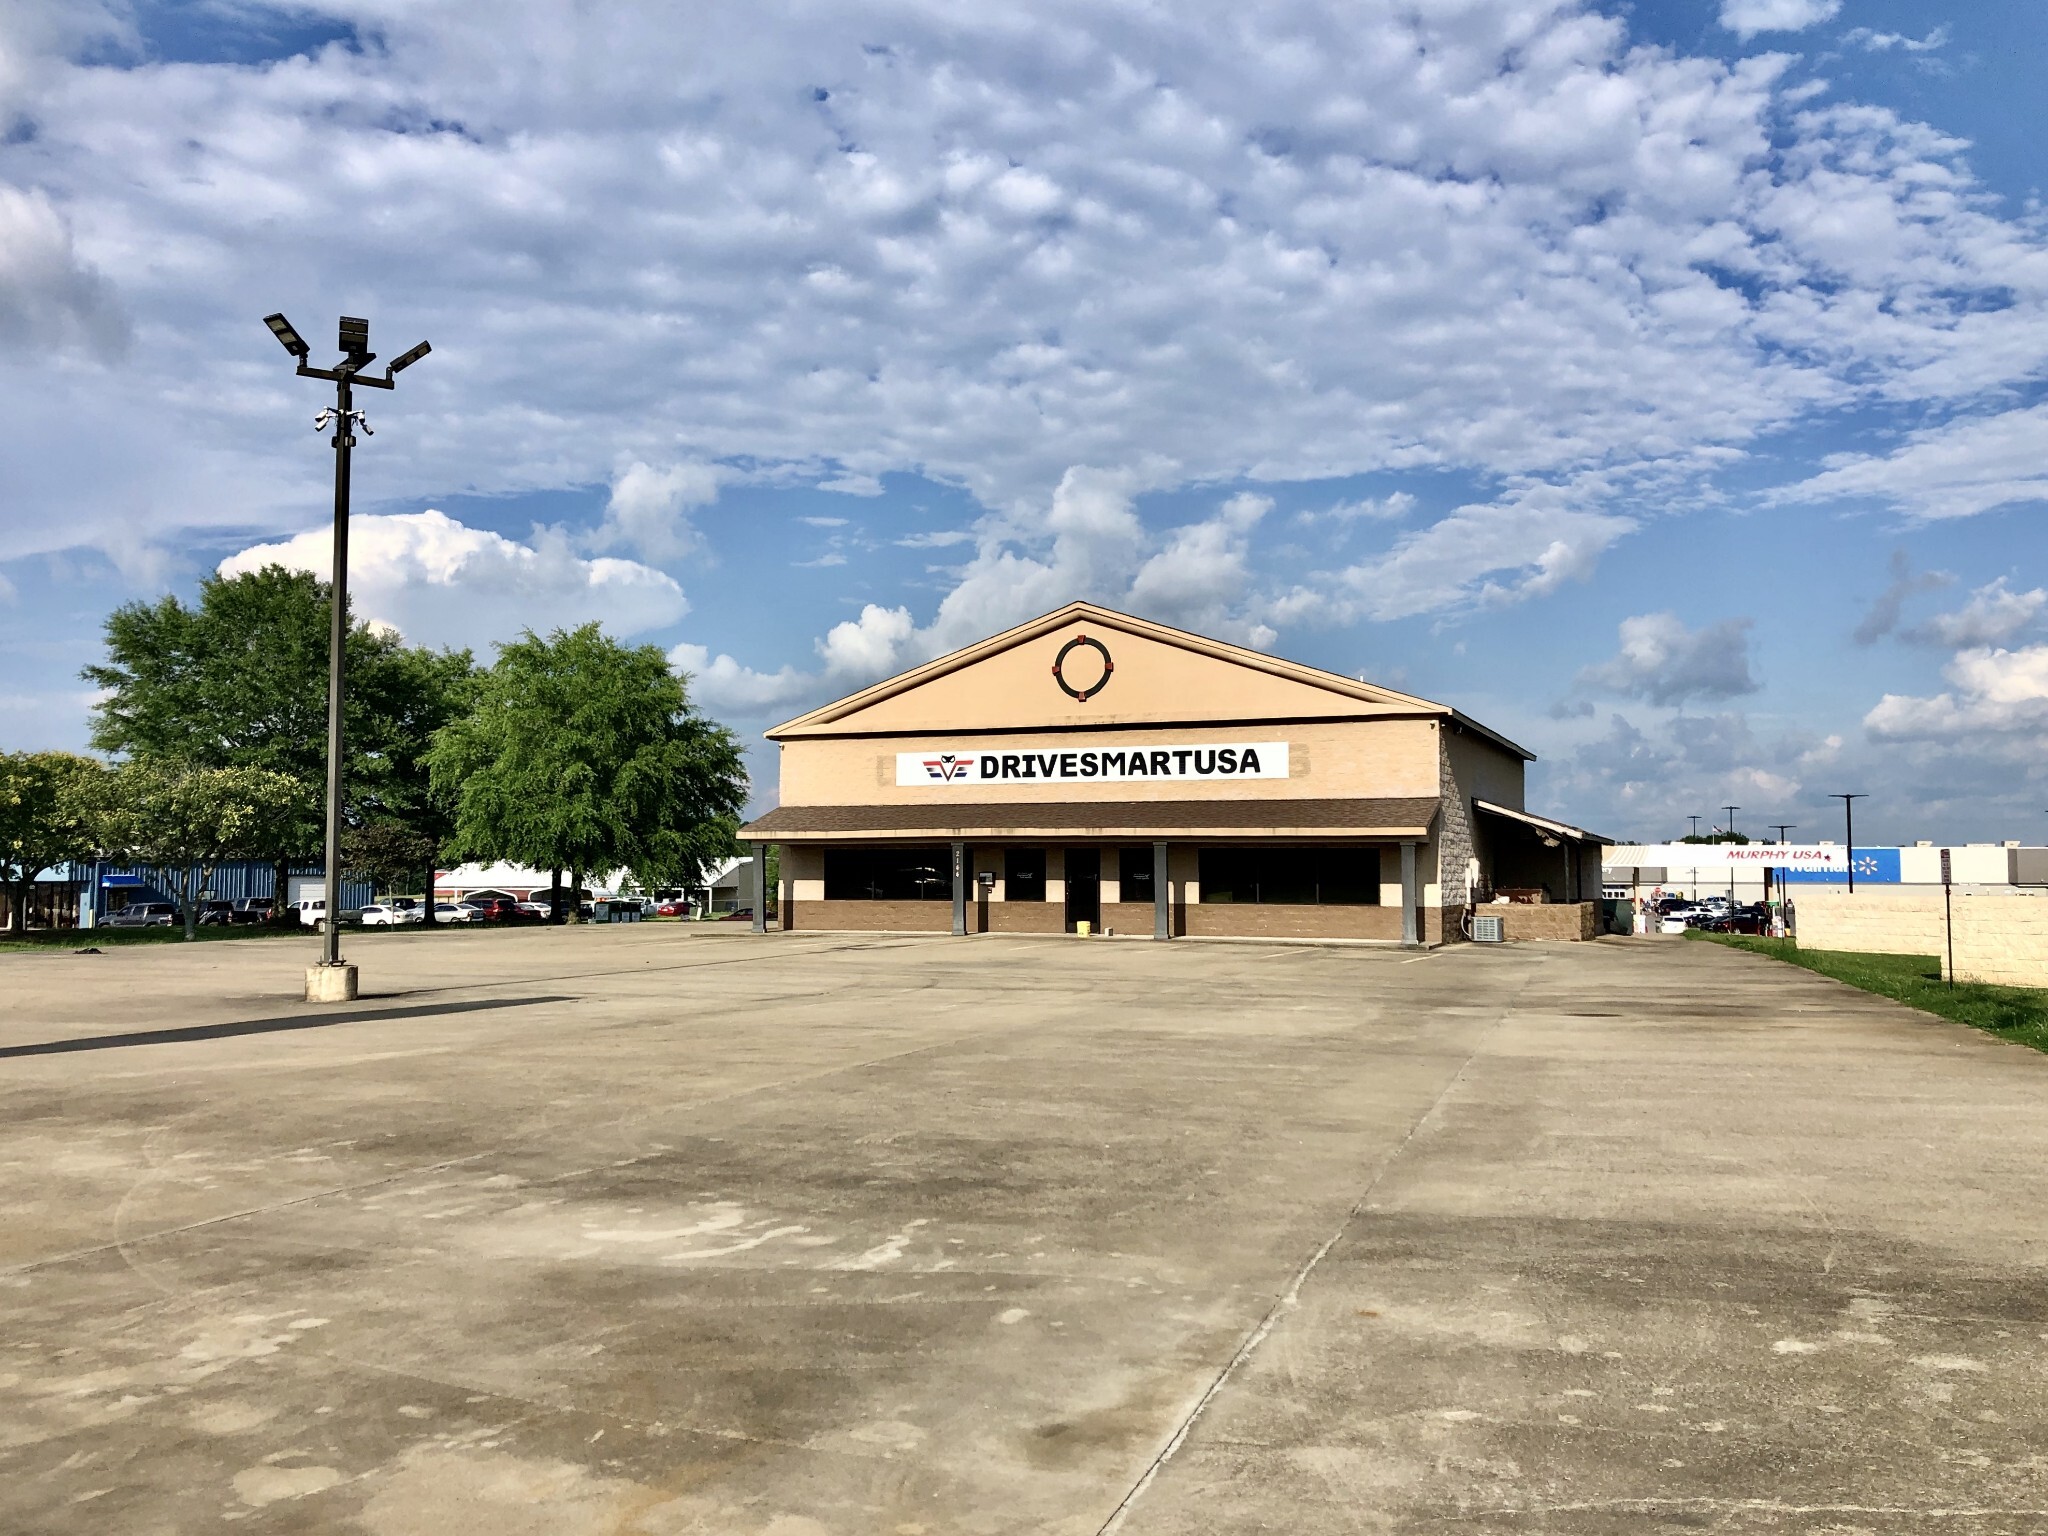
[1089, 689]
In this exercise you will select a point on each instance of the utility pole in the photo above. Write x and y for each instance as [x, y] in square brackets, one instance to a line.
[1849, 816]
[1695, 825]
[1731, 810]
[331, 981]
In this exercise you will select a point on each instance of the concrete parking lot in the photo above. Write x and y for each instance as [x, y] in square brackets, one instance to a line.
[660, 1230]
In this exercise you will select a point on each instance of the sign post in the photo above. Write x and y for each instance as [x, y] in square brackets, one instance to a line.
[1948, 917]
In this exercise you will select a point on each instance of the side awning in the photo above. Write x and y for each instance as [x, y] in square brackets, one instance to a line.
[1560, 830]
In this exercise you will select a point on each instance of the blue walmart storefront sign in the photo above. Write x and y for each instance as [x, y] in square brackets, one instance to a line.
[1874, 866]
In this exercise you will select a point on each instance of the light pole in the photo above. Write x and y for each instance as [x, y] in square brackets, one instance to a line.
[1849, 817]
[1781, 828]
[1695, 825]
[331, 981]
[1731, 810]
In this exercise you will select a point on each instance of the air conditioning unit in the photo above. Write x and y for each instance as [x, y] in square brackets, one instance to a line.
[1489, 928]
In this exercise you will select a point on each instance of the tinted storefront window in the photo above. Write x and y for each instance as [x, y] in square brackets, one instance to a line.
[889, 874]
[1024, 874]
[1134, 873]
[1289, 875]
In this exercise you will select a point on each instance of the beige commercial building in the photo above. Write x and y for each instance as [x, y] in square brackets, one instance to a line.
[1092, 768]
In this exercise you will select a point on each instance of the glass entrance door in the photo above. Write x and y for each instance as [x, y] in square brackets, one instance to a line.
[1084, 888]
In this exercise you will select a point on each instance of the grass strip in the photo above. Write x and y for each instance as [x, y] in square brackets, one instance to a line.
[2011, 1013]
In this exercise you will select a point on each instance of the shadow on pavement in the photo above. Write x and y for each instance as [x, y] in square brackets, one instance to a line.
[263, 1026]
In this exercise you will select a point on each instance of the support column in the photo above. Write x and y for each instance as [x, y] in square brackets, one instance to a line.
[760, 887]
[1409, 937]
[960, 877]
[1162, 895]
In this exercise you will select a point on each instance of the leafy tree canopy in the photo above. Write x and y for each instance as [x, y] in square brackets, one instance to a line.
[48, 805]
[185, 819]
[240, 681]
[584, 754]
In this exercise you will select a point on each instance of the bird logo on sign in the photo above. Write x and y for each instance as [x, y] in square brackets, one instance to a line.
[948, 766]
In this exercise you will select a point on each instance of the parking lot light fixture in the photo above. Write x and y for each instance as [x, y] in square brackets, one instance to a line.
[337, 984]
[1849, 833]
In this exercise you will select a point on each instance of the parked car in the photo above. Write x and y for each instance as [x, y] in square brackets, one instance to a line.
[252, 909]
[383, 915]
[142, 914]
[453, 912]
[1750, 919]
[672, 909]
[536, 910]
[215, 914]
[739, 915]
[494, 909]
[311, 910]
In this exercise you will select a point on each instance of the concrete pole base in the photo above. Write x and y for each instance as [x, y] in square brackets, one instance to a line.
[330, 983]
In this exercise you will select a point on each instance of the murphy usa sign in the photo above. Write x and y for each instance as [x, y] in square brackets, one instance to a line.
[942, 767]
[1817, 858]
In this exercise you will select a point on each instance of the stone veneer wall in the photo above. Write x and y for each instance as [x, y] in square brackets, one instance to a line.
[1453, 839]
[1574, 920]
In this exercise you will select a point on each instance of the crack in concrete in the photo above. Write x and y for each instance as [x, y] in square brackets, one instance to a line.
[1292, 1294]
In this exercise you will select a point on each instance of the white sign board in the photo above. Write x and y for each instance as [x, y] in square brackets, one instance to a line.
[1817, 857]
[944, 767]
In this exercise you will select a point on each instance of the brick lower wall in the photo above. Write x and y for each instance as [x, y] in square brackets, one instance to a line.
[883, 916]
[2001, 934]
[1206, 920]
[2001, 939]
[1894, 920]
[1019, 917]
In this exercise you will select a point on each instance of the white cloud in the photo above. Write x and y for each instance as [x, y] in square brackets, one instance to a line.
[943, 538]
[1993, 692]
[1663, 662]
[50, 299]
[1203, 245]
[1881, 42]
[1991, 616]
[1200, 575]
[1746, 18]
[1391, 508]
[823, 522]
[720, 685]
[1883, 616]
[871, 646]
[440, 582]
[1528, 544]
[1958, 469]
[649, 509]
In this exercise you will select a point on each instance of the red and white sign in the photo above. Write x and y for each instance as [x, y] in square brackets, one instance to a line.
[1119, 764]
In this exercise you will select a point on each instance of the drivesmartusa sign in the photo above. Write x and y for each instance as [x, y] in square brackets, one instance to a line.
[941, 767]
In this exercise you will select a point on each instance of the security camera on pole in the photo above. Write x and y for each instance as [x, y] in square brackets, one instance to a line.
[331, 981]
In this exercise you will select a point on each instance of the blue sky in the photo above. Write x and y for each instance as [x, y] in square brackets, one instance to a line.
[1661, 384]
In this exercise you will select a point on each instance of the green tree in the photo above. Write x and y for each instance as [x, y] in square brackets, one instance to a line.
[583, 754]
[185, 820]
[48, 802]
[239, 680]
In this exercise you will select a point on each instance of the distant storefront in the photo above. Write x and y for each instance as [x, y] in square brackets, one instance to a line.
[1093, 768]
